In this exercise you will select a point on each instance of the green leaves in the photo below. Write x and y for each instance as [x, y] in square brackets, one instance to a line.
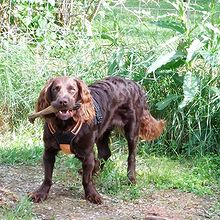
[166, 102]
[195, 46]
[184, 53]
[116, 61]
[167, 61]
[109, 38]
[173, 25]
[190, 88]
[52, 2]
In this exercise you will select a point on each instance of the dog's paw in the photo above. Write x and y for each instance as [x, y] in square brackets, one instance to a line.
[132, 179]
[37, 196]
[94, 198]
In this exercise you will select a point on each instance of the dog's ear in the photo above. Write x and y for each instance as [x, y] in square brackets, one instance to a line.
[86, 111]
[44, 98]
[150, 128]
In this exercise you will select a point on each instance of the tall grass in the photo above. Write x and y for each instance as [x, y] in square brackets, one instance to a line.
[174, 59]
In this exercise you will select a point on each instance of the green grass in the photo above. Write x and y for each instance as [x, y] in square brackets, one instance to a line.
[160, 173]
[21, 211]
[199, 175]
[22, 146]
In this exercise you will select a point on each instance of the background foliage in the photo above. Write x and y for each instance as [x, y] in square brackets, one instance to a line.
[170, 47]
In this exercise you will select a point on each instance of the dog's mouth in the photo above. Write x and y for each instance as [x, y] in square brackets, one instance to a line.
[65, 114]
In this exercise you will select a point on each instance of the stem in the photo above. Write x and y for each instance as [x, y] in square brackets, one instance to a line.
[90, 18]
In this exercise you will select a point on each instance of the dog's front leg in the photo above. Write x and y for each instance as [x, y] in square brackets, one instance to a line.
[42, 192]
[88, 165]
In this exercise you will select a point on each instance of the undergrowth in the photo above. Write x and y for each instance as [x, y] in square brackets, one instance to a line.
[21, 211]
[173, 57]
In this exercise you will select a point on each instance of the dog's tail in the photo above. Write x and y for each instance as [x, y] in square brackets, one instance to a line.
[150, 127]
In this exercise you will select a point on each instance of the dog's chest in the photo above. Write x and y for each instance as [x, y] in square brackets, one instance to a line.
[64, 140]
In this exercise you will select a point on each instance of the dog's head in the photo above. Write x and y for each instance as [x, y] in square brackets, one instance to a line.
[63, 93]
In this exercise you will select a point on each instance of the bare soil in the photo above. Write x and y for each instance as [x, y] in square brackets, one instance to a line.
[65, 203]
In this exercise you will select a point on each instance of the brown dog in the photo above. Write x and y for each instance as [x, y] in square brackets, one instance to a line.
[104, 105]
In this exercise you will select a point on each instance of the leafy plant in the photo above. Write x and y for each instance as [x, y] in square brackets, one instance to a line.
[186, 58]
[173, 55]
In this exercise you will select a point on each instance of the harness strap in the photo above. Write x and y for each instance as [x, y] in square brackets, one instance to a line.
[75, 130]
[98, 112]
[51, 128]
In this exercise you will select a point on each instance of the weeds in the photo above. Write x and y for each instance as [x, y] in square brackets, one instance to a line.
[160, 173]
[175, 59]
[22, 210]
[21, 147]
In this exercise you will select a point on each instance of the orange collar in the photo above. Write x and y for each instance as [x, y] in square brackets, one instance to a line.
[65, 147]
[75, 130]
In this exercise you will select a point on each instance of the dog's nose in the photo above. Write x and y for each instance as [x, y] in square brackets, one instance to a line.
[63, 102]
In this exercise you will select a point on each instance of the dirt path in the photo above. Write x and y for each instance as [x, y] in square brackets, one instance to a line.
[66, 203]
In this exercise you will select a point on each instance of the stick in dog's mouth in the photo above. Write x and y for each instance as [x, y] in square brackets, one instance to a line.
[49, 110]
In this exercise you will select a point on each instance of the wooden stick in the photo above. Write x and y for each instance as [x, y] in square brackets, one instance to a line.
[49, 110]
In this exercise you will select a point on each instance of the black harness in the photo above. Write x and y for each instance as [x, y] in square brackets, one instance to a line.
[65, 138]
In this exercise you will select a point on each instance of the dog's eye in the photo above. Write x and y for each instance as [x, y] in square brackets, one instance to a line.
[72, 90]
[56, 88]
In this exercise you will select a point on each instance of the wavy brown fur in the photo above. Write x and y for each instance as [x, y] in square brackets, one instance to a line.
[86, 112]
[150, 128]
[44, 98]
[120, 103]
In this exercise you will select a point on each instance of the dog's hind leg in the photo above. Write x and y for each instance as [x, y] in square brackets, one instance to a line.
[131, 130]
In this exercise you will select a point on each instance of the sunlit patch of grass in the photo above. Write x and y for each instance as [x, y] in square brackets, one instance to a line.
[22, 146]
[23, 210]
[197, 175]
[165, 173]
